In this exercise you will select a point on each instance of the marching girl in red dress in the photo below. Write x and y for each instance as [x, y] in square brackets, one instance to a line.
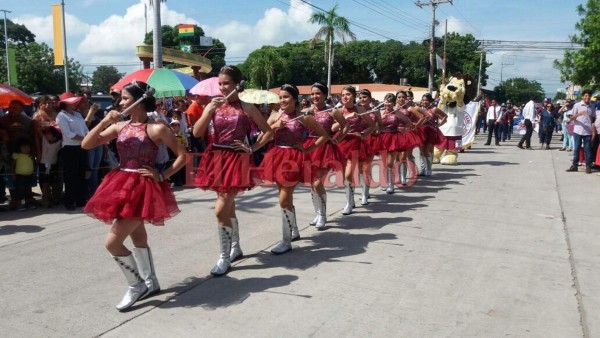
[364, 176]
[284, 164]
[431, 132]
[389, 143]
[353, 146]
[409, 139]
[227, 163]
[326, 157]
[135, 192]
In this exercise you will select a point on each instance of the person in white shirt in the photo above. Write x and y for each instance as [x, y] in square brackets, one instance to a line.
[493, 114]
[74, 158]
[583, 114]
[528, 118]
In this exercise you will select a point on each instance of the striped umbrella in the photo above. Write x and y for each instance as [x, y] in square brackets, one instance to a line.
[166, 82]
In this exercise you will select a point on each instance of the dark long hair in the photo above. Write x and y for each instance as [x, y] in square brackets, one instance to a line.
[137, 89]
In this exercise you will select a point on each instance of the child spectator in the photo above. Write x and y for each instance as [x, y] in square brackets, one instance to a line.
[178, 178]
[49, 177]
[23, 170]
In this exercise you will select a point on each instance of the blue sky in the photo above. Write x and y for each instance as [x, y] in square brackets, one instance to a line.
[106, 31]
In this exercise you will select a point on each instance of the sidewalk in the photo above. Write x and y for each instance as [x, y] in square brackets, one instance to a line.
[501, 245]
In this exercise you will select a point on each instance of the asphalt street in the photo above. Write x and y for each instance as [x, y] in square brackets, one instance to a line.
[504, 244]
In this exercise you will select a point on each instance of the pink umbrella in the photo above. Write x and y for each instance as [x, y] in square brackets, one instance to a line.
[208, 87]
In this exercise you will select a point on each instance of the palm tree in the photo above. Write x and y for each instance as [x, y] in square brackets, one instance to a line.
[331, 25]
[262, 67]
[157, 34]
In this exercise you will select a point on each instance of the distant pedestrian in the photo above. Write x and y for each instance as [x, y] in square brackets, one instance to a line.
[567, 126]
[547, 125]
[494, 113]
[528, 119]
[583, 113]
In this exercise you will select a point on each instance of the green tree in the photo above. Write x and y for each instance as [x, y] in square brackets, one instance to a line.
[519, 90]
[356, 62]
[560, 96]
[36, 71]
[583, 66]
[463, 56]
[17, 34]
[263, 66]
[389, 62]
[332, 25]
[104, 77]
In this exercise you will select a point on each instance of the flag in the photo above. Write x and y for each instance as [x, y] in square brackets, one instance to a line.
[470, 124]
[439, 62]
[12, 61]
[58, 35]
[186, 48]
[186, 30]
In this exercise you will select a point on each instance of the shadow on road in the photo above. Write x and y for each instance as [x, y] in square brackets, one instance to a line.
[12, 229]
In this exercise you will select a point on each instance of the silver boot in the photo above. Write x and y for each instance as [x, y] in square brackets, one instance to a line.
[422, 166]
[349, 198]
[390, 179]
[224, 263]
[429, 165]
[295, 231]
[322, 211]
[365, 189]
[236, 251]
[146, 266]
[403, 174]
[287, 220]
[316, 205]
[137, 286]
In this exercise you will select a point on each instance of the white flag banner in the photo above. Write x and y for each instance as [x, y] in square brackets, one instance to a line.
[470, 124]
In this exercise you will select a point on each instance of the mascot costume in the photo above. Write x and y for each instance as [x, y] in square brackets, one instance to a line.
[458, 92]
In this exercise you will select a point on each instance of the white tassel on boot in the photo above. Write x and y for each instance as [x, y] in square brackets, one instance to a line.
[390, 179]
[145, 263]
[137, 286]
[321, 211]
[287, 220]
[224, 263]
[403, 173]
[295, 231]
[349, 198]
[236, 250]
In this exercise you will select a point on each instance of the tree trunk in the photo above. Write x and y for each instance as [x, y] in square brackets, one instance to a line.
[157, 36]
[329, 64]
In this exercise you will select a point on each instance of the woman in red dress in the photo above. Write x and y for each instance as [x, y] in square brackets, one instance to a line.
[364, 175]
[135, 192]
[227, 163]
[284, 164]
[409, 139]
[353, 146]
[431, 132]
[389, 142]
[326, 157]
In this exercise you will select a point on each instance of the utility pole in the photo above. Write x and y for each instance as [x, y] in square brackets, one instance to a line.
[6, 45]
[433, 4]
[480, 66]
[444, 57]
[502, 64]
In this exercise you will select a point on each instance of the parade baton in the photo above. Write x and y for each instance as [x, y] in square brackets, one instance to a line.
[339, 105]
[148, 93]
[238, 89]
[372, 110]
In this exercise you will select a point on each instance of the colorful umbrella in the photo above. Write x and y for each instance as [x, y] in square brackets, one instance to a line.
[208, 87]
[9, 93]
[258, 96]
[166, 82]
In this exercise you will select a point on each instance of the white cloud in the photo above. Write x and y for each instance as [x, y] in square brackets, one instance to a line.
[454, 25]
[42, 27]
[274, 28]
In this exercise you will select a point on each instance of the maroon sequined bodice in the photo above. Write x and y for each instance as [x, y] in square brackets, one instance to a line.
[291, 134]
[230, 123]
[356, 122]
[390, 122]
[323, 118]
[135, 147]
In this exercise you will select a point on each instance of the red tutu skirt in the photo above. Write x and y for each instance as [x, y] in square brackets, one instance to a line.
[124, 194]
[327, 155]
[408, 139]
[284, 166]
[449, 143]
[374, 142]
[433, 135]
[388, 142]
[224, 171]
[353, 144]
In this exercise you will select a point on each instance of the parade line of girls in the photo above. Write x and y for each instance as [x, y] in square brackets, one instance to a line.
[304, 146]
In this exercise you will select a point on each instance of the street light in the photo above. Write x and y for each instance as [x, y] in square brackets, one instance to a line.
[6, 45]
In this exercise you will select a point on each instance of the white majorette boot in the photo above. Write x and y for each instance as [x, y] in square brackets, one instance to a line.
[287, 220]
[422, 166]
[365, 190]
[137, 286]
[390, 179]
[224, 263]
[349, 198]
[314, 201]
[320, 204]
[145, 263]
[295, 231]
[429, 165]
[236, 251]
[403, 173]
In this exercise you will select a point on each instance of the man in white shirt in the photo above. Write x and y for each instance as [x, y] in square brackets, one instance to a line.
[528, 118]
[493, 114]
